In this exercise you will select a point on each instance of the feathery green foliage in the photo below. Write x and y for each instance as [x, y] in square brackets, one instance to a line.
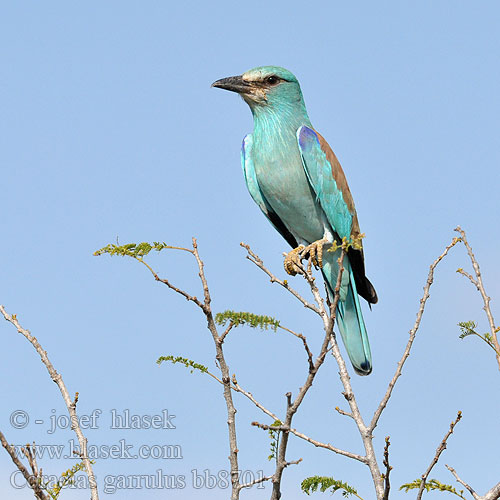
[188, 363]
[247, 318]
[67, 478]
[432, 485]
[274, 434]
[323, 483]
[468, 328]
[134, 250]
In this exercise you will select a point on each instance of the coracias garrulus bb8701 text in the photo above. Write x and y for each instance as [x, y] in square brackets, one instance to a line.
[296, 180]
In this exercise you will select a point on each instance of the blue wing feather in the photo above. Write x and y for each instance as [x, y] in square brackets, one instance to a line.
[256, 193]
[250, 177]
[319, 174]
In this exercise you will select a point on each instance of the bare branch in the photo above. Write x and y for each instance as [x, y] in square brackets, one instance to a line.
[493, 494]
[304, 342]
[330, 343]
[226, 332]
[236, 387]
[70, 405]
[32, 479]
[255, 481]
[186, 295]
[467, 275]
[266, 427]
[440, 449]
[293, 462]
[205, 306]
[413, 332]
[463, 483]
[342, 412]
[201, 274]
[30, 455]
[478, 282]
[328, 446]
[177, 290]
[328, 317]
[252, 257]
[285, 428]
[388, 468]
[226, 380]
[292, 407]
[364, 431]
[297, 433]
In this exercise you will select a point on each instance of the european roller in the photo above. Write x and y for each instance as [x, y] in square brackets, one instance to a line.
[296, 180]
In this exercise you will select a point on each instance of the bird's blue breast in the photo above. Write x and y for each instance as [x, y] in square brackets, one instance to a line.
[282, 179]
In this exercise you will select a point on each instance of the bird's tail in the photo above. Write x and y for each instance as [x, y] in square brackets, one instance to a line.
[349, 316]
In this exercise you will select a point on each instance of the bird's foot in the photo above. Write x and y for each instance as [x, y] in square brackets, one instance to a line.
[313, 252]
[293, 260]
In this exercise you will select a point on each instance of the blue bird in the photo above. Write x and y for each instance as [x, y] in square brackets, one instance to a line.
[296, 180]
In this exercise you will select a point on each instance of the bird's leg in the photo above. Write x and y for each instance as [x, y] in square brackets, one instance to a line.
[293, 260]
[315, 251]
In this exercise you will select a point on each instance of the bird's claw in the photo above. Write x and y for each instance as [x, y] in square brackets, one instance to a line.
[314, 252]
[293, 261]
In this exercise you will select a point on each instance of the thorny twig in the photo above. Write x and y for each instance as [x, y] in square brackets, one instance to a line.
[252, 257]
[463, 483]
[304, 342]
[492, 494]
[70, 404]
[366, 431]
[439, 450]
[327, 313]
[388, 468]
[317, 444]
[205, 306]
[226, 332]
[33, 479]
[478, 283]
[292, 407]
[225, 380]
[254, 482]
[300, 435]
[413, 333]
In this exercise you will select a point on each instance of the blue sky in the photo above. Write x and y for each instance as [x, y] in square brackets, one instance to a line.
[110, 130]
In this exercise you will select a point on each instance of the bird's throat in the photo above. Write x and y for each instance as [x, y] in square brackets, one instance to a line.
[275, 127]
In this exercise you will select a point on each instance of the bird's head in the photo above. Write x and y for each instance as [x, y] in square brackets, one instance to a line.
[264, 87]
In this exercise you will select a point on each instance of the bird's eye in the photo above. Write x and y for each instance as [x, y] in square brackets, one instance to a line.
[272, 80]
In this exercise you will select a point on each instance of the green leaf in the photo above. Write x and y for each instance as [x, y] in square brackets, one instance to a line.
[322, 483]
[247, 318]
[188, 363]
[432, 485]
[134, 250]
[67, 478]
[467, 328]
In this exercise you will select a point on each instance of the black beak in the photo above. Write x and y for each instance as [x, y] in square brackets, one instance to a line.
[234, 84]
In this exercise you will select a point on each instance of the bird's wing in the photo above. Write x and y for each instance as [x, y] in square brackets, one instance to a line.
[256, 193]
[328, 181]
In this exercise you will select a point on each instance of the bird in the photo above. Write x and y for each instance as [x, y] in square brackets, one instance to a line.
[296, 180]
